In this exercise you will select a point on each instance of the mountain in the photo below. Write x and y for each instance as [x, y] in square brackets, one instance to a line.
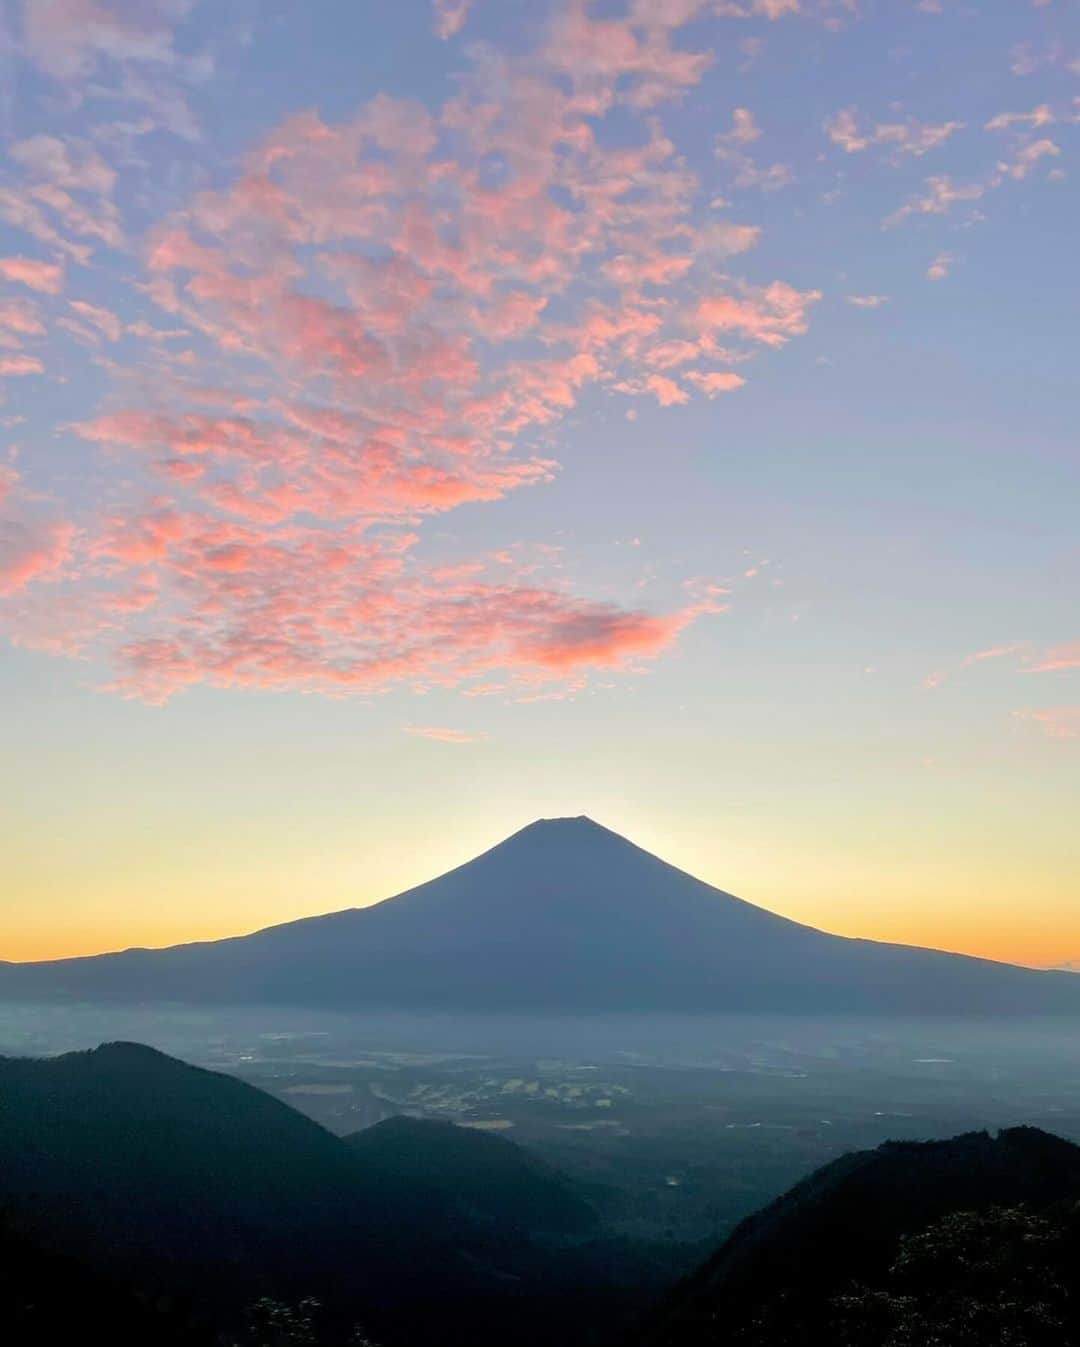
[564, 915]
[883, 1231]
[154, 1164]
[167, 1198]
[496, 1181]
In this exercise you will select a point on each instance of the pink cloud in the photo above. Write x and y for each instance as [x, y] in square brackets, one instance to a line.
[74, 168]
[666, 391]
[68, 37]
[318, 614]
[770, 314]
[939, 198]
[727, 239]
[1027, 157]
[1056, 722]
[940, 267]
[19, 318]
[1065, 656]
[599, 636]
[45, 277]
[15, 366]
[908, 137]
[441, 734]
[450, 16]
[730, 148]
[31, 551]
[744, 130]
[993, 652]
[380, 329]
[127, 47]
[67, 186]
[1038, 116]
[103, 320]
[712, 382]
[596, 54]
[748, 9]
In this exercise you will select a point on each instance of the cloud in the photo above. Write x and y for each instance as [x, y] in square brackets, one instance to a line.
[744, 130]
[992, 652]
[1056, 722]
[599, 55]
[940, 267]
[45, 277]
[868, 301]
[1025, 58]
[711, 382]
[1005, 121]
[940, 196]
[129, 47]
[69, 38]
[729, 148]
[1058, 657]
[666, 391]
[14, 366]
[441, 734]
[103, 320]
[385, 318]
[770, 314]
[909, 137]
[1027, 157]
[65, 189]
[450, 16]
[749, 9]
[68, 164]
[19, 318]
[726, 239]
[32, 549]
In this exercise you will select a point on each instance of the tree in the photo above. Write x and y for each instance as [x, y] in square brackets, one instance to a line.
[970, 1279]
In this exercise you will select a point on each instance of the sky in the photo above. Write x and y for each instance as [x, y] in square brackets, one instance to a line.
[418, 419]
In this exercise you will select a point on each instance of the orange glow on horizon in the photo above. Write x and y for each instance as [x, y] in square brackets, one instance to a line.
[1007, 941]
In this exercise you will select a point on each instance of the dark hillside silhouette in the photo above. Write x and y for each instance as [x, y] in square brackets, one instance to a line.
[155, 1183]
[855, 1248]
[494, 1180]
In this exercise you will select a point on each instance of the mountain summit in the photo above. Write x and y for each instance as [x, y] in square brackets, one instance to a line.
[564, 915]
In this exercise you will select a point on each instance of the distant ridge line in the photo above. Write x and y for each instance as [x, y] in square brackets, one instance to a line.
[564, 915]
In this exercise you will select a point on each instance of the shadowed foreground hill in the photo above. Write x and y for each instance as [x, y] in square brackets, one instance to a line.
[914, 1237]
[152, 1163]
[494, 1180]
[567, 916]
[145, 1182]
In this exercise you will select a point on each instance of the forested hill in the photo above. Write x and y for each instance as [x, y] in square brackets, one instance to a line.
[495, 1180]
[961, 1241]
[139, 1181]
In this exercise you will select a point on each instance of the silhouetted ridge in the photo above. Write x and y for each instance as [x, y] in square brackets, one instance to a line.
[564, 915]
[842, 1227]
[139, 1181]
[489, 1176]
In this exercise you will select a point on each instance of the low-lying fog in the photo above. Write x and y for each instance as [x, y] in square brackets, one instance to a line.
[686, 1124]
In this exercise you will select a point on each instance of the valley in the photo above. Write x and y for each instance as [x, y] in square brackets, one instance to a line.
[679, 1127]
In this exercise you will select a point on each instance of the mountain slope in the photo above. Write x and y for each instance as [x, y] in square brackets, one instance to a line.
[151, 1162]
[493, 1179]
[563, 915]
[778, 1277]
[142, 1182]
